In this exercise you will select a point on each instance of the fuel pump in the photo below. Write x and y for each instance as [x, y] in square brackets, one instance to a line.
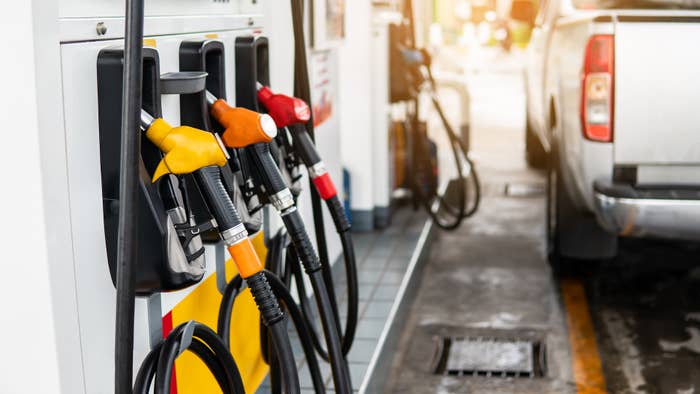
[186, 151]
[292, 114]
[302, 90]
[280, 197]
[207, 56]
[411, 76]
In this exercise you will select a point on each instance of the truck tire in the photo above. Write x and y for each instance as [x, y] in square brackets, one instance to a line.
[574, 238]
[535, 154]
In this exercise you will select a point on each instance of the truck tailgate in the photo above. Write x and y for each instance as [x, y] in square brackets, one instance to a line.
[657, 91]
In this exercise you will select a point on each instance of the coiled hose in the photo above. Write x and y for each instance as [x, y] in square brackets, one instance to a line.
[224, 321]
[280, 289]
[205, 344]
[432, 201]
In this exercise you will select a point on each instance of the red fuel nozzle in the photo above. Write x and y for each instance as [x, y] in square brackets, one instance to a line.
[285, 110]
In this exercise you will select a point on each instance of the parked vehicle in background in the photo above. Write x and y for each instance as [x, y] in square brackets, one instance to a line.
[613, 109]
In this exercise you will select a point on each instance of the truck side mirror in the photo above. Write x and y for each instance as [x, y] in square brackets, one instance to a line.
[523, 11]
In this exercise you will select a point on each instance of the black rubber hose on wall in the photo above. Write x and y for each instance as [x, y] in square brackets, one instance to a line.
[127, 233]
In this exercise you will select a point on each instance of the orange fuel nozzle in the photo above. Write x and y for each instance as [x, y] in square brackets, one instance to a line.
[243, 127]
[186, 149]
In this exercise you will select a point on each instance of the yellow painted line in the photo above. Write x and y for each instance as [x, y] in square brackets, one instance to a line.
[588, 370]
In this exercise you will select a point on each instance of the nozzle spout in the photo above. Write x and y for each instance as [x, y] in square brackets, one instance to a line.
[146, 120]
[268, 126]
[211, 99]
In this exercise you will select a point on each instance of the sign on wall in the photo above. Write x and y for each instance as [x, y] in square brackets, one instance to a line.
[322, 91]
[328, 23]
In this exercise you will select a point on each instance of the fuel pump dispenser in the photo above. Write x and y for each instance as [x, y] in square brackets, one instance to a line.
[291, 114]
[411, 77]
[186, 151]
[174, 197]
[200, 56]
[280, 197]
[252, 67]
[207, 56]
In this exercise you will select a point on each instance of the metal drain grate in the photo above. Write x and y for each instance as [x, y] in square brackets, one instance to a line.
[490, 357]
[524, 189]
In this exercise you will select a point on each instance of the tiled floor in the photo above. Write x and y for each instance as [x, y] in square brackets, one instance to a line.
[383, 258]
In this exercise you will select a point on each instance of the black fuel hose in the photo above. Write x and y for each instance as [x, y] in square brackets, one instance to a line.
[219, 202]
[304, 146]
[282, 199]
[273, 263]
[306, 308]
[302, 90]
[304, 250]
[233, 289]
[127, 233]
[283, 293]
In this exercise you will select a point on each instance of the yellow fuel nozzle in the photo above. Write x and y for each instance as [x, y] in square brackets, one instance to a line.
[243, 127]
[186, 149]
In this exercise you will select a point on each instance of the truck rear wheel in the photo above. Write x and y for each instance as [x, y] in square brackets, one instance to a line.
[535, 154]
[574, 238]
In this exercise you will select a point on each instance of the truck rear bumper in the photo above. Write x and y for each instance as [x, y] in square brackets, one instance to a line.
[660, 213]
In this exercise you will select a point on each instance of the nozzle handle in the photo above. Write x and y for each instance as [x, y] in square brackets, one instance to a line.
[285, 110]
[303, 144]
[217, 199]
[272, 177]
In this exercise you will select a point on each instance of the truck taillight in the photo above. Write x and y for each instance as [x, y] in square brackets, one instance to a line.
[597, 84]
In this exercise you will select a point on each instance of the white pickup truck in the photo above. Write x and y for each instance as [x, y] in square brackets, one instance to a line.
[613, 110]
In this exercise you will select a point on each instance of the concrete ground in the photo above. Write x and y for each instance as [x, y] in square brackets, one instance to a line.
[631, 325]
